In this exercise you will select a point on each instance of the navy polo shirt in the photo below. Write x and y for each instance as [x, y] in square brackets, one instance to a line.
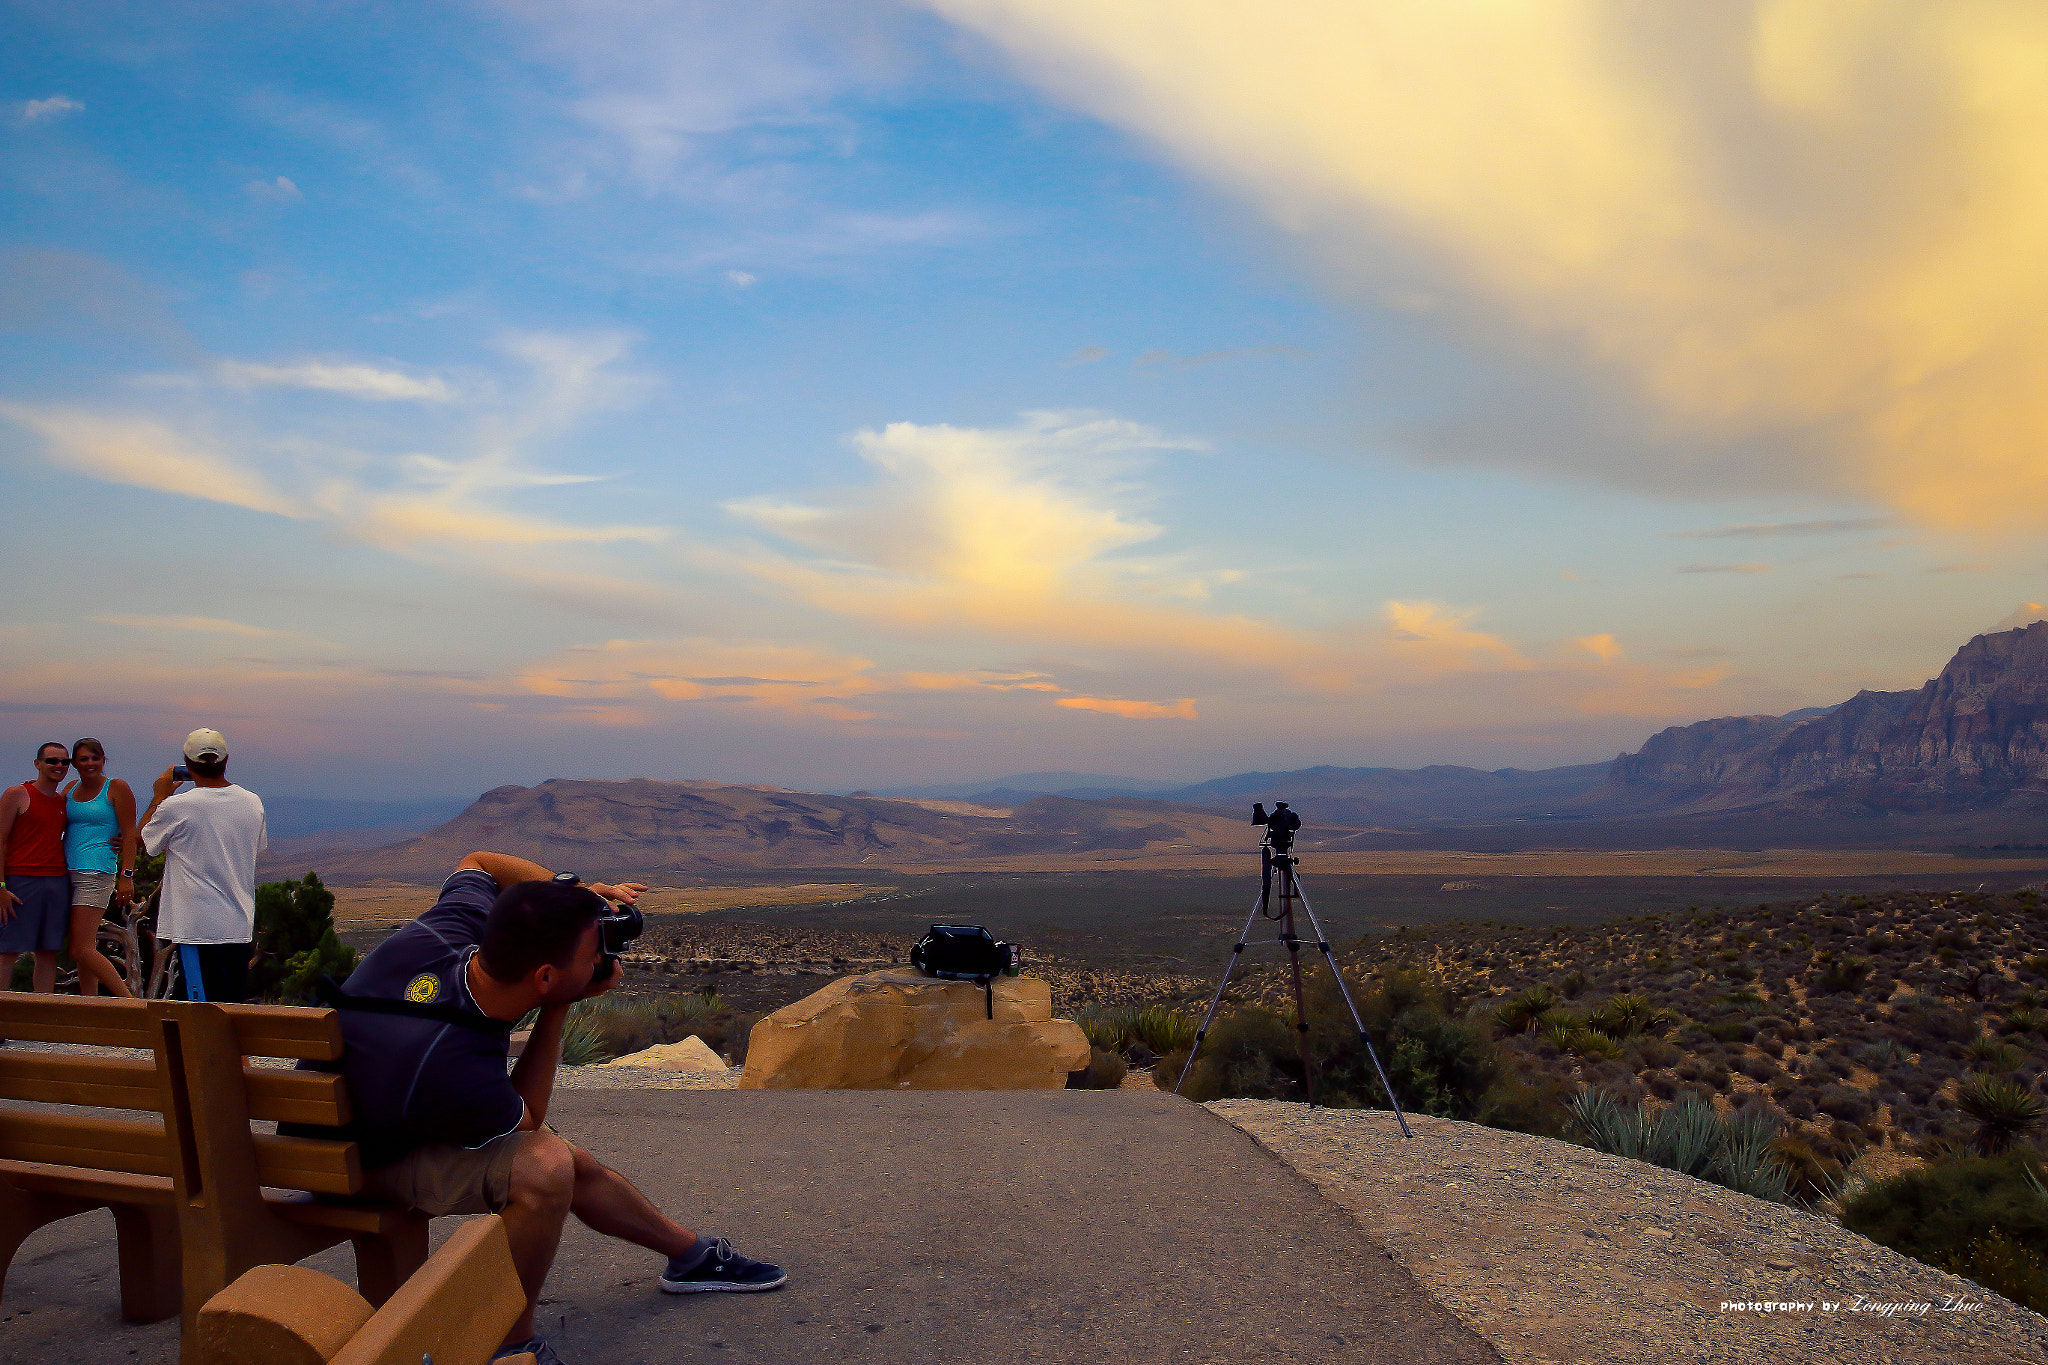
[416, 1082]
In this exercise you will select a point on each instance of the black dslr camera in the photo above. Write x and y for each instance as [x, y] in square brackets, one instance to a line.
[616, 930]
[1280, 825]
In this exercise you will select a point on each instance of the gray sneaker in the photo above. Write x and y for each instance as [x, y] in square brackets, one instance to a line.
[537, 1347]
[721, 1270]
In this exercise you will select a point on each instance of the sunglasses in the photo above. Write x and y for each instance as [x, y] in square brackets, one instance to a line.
[56, 762]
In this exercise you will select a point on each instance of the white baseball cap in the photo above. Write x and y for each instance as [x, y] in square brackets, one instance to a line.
[206, 746]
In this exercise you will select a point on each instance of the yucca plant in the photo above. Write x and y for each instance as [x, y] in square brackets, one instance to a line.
[1995, 1054]
[1626, 1015]
[1591, 1042]
[2025, 1019]
[1690, 1137]
[1164, 1029]
[1525, 1011]
[2004, 1109]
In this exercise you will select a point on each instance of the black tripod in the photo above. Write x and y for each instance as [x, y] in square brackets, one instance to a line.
[1276, 856]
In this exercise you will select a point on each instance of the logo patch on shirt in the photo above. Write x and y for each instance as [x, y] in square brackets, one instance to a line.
[423, 989]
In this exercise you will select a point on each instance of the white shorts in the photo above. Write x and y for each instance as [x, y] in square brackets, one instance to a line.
[92, 888]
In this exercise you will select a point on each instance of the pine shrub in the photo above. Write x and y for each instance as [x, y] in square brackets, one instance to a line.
[295, 943]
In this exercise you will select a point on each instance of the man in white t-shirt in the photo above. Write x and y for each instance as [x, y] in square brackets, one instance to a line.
[209, 837]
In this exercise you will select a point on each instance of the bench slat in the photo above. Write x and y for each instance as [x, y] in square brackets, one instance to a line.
[96, 1021]
[60, 1078]
[137, 1146]
[310, 1035]
[316, 1164]
[131, 1083]
[113, 1186]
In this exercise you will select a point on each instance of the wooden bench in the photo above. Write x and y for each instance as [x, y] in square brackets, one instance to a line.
[198, 1197]
[453, 1311]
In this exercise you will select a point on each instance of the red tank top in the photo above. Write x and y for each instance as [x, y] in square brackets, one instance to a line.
[35, 847]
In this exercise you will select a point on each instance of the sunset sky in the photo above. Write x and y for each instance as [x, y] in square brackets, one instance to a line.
[856, 393]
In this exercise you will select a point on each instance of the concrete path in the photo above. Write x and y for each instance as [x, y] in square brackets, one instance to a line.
[954, 1226]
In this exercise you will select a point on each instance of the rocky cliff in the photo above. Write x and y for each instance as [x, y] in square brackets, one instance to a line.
[1974, 738]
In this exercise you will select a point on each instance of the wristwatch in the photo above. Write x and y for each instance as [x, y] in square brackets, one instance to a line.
[567, 879]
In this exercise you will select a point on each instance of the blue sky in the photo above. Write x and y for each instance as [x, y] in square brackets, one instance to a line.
[857, 394]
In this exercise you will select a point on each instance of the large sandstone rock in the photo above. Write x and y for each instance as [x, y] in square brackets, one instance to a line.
[691, 1054]
[898, 1030]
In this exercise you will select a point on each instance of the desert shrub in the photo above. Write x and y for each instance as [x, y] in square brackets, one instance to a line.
[1811, 1176]
[1757, 1068]
[2004, 1267]
[2004, 1109]
[1840, 974]
[1158, 1029]
[1689, 1137]
[1844, 1102]
[1105, 1071]
[295, 943]
[1878, 1056]
[1656, 1051]
[1937, 1211]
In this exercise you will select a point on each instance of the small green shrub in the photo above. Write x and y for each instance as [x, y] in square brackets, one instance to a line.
[1525, 1011]
[1937, 1211]
[1624, 1016]
[295, 944]
[1995, 1054]
[1105, 1071]
[583, 1035]
[2004, 1267]
[2025, 1019]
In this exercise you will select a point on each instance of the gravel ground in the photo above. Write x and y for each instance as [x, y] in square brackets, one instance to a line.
[1555, 1253]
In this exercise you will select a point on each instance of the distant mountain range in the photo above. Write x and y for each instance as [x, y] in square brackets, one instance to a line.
[1963, 758]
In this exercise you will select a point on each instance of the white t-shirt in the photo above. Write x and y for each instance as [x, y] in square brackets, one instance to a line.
[210, 836]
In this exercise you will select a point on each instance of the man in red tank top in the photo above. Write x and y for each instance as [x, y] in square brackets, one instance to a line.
[35, 891]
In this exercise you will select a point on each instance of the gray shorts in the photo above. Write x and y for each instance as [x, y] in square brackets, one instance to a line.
[92, 888]
[42, 920]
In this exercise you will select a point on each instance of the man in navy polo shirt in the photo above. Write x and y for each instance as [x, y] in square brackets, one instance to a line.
[442, 1128]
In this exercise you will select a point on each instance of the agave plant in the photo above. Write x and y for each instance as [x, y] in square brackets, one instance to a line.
[2025, 1019]
[2004, 1109]
[1690, 1137]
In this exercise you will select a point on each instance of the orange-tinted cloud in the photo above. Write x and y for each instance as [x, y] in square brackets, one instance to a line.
[1182, 709]
[1800, 236]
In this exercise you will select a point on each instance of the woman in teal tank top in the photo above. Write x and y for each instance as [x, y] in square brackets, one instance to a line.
[99, 851]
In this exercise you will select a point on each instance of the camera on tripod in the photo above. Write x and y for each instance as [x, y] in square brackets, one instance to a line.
[1280, 825]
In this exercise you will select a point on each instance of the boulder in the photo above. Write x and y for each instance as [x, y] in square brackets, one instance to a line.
[692, 1054]
[898, 1030]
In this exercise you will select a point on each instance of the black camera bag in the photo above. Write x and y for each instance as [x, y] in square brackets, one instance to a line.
[966, 952]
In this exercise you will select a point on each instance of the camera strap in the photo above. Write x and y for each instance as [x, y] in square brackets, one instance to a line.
[331, 995]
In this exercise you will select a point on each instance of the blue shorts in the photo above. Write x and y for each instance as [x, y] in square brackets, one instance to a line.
[42, 919]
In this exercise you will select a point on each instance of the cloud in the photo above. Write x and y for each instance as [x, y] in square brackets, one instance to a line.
[204, 625]
[2025, 614]
[1601, 647]
[1788, 245]
[147, 454]
[742, 279]
[1183, 709]
[359, 381]
[1978, 567]
[1746, 567]
[50, 109]
[633, 679]
[278, 191]
[1431, 631]
[1087, 355]
[1772, 529]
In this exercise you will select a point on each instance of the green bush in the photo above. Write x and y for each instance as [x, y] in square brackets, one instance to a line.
[1624, 1016]
[1159, 1029]
[1936, 1212]
[583, 1035]
[1523, 1012]
[1690, 1137]
[2005, 1111]
[2004, 1267]
[295, 944]
[1105, 1071]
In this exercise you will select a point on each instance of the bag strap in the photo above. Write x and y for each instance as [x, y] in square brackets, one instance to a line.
[331, 995]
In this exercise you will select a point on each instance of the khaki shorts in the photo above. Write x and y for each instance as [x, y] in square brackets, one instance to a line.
[92, 888]
[443, 1179]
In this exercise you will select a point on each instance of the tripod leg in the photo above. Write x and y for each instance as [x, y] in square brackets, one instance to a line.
[1289, 892]
[1323, 942]
[1236, 955]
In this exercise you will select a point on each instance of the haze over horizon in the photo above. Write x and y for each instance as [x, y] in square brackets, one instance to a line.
[868, 395]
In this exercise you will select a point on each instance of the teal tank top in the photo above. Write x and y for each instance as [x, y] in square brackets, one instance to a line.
[90, 832]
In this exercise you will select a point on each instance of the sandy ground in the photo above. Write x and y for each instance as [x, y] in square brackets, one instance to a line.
[395, 904]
